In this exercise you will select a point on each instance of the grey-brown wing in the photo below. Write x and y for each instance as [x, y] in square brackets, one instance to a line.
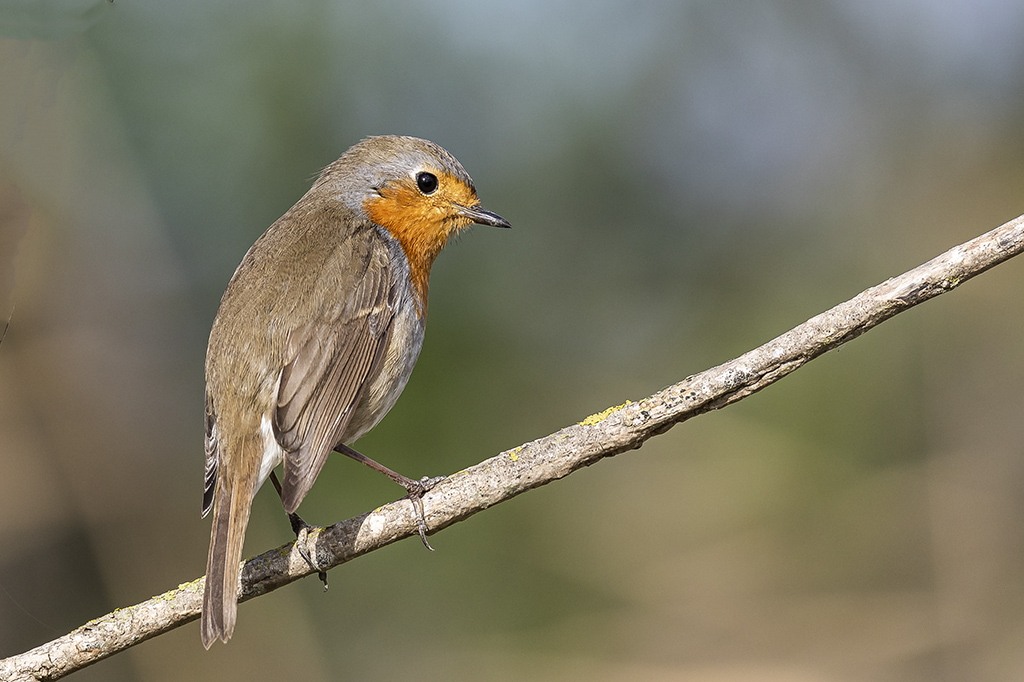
[330, 363]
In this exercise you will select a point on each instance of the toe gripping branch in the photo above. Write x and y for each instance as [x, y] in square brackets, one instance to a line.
[415, 491]
[302, 531]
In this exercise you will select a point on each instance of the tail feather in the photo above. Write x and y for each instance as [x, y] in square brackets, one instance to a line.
[220, 595]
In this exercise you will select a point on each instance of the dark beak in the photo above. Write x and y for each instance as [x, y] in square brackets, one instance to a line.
[482, 217]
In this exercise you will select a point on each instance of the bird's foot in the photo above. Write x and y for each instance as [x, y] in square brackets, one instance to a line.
[305, 542]
[416, 490]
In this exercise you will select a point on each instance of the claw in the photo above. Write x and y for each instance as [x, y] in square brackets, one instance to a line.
[416, 490]
[302, 531]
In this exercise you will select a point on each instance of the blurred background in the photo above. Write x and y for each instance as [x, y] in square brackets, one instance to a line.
[686, 180]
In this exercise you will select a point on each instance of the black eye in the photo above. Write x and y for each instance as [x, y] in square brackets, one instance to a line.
[427, 182]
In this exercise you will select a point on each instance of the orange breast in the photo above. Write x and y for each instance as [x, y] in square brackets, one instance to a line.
[421, 224]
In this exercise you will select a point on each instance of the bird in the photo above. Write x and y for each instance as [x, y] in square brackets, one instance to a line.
[317, 334]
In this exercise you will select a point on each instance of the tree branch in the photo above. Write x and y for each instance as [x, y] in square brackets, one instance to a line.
[534, 464]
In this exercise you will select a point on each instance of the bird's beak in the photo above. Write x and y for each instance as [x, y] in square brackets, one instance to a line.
[482, 217]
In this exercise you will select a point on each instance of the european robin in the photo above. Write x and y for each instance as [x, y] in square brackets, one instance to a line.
[318, 332]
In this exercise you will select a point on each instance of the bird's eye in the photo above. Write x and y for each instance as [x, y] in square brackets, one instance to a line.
[427, 182]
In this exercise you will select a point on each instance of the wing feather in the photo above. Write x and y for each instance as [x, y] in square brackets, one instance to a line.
[331, 363]
[212, 458]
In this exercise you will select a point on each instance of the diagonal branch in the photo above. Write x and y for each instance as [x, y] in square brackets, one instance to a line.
[534, 464]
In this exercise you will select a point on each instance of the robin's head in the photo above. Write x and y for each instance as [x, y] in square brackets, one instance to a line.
[413, 188]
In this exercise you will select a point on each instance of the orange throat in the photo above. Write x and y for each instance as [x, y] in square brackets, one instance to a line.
[421, 225]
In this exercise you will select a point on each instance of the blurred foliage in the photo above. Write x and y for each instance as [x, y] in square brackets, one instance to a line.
[685, 181]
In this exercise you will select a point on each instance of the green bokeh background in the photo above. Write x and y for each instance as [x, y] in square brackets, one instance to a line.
[686, 180]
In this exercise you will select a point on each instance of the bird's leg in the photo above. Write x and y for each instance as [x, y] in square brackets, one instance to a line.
[301, 530]
[416, 489]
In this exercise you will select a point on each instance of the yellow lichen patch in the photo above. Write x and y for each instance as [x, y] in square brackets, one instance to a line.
[601, 416]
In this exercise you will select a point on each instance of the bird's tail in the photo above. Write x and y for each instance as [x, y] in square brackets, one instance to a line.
[220, 596]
